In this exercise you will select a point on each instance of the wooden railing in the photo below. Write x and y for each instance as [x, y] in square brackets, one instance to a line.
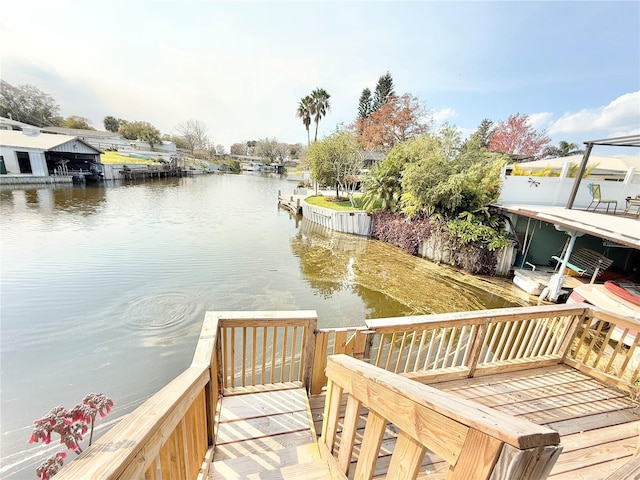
[474, 343]
[171, 433]
[606, 347]
[455, 345]
[476, 441]
[262, 348]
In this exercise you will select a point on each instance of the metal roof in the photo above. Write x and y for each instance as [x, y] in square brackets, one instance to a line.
[371, 155]
[39, 141]
[626, 141]
[16, 123]
[615, 228]
[80, 132]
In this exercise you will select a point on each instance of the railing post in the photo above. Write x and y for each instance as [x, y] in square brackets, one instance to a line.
[309, 353]
[319, 359]
[220, 367]
[357, 345]
[476, 341]
[569, 333]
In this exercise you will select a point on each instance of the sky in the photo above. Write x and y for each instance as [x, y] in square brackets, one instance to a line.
[242, 67]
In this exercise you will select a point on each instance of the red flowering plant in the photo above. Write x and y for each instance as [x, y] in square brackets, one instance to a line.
[71, 425]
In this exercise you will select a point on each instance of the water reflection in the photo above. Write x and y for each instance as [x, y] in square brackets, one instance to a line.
[79, 199]
[388, 281]
[326, 260]
[105, 288]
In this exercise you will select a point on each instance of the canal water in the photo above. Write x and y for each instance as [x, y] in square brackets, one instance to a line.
[103, 289]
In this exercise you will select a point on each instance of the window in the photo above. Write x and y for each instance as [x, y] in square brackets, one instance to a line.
[23, 162]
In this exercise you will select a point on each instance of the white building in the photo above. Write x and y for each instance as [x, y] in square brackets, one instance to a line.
[29, 152]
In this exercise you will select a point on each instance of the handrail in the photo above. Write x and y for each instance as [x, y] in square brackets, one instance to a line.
[262, 348]
[606, 347]
[172, 432]
[472, 317]
[477, 441]
[153, 438]
[467, 344]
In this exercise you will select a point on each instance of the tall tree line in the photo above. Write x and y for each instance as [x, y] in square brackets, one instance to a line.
[383, 93]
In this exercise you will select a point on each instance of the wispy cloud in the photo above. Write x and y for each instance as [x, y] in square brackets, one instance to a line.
[443, 115]
[541, 120]
[241, 67]
[620, 117]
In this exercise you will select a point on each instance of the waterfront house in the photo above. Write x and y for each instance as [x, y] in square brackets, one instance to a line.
[553, 215]
[33, 155]
[113, 141]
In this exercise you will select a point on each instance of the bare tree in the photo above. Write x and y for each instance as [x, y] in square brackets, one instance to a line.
[238, 149]
[271, 150]
[194, 133]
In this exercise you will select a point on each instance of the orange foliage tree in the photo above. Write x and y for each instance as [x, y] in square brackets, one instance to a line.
[517, 137]
[400, 119]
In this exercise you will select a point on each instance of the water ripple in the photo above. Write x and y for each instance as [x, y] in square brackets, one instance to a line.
[160, 311]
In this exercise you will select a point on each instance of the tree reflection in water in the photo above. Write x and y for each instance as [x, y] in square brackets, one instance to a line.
[390, 282]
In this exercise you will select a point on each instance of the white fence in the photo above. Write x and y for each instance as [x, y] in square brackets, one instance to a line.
[356, 222]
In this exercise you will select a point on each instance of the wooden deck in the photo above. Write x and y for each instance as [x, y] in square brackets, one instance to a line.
[503, 394]
[267, 433]
[598, 425]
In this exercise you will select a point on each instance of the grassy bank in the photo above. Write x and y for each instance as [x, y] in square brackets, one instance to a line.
[117, 158]
[330, 202]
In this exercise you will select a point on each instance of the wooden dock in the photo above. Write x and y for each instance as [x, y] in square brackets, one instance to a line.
[152, 172]
[293, 203]
[8, 179]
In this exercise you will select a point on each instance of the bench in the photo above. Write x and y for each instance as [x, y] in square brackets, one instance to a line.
[584, 261]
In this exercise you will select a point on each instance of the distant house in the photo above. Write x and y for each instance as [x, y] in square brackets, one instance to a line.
[370, 159]
[30, 152]
[9, 124]
[252, 166]
[114, 141]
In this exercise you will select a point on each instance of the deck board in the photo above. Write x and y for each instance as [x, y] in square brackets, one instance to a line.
[598, 425]
[262, 422]
[263, 427]
[242, 407]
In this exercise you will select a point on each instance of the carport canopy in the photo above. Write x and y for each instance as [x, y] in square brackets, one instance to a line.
[626, 141]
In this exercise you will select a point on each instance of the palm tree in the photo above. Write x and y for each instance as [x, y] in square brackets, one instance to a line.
[564, 149]
[567, 148]
[151, 135]
[321, 106]
[305, 111]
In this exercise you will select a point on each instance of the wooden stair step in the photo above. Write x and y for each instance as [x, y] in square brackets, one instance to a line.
[261, 427]
[262, 445]
[261, 404]
[264, 463]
